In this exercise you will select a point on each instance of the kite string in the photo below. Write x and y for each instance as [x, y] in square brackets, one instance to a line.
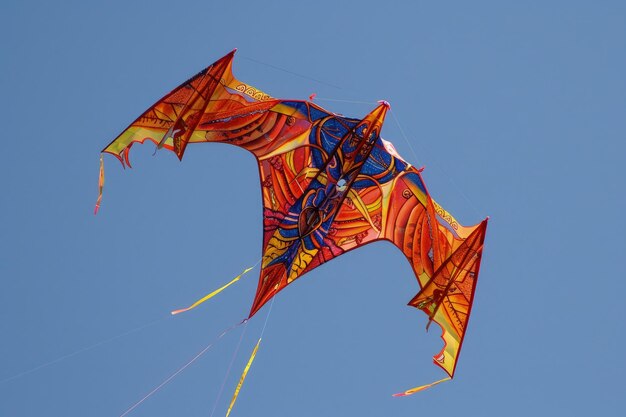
[185, 366]
[404, 136]
[230, 365]
[345, 101]
[306, 77]
[268, 315]
[249, 364]
[438, 166]
[182, 368]
[82, 350]
[290, 72]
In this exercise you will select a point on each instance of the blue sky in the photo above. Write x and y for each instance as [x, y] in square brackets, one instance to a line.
[517, 110]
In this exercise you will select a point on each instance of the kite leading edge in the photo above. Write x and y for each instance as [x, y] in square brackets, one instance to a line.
[330, 184]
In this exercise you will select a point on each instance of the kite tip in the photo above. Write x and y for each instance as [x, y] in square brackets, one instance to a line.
[384, 103]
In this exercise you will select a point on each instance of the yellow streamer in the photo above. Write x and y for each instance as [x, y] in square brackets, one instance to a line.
[243, 377]
[214, 293]
[100, 185]
[420, 388]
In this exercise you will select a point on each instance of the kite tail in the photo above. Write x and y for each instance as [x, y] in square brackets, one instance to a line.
[214, 293]
[100, 186]
[242, 378]
[420, 388]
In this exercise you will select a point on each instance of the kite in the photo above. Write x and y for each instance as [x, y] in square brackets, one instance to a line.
[330, 184]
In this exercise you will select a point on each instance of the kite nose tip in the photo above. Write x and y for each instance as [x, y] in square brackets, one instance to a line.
[384, 103]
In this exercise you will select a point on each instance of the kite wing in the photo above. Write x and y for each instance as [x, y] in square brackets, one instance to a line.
[212, 106]
[445, 258]
[330, 184]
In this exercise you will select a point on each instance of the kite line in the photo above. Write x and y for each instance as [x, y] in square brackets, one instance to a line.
[230, 365]
[445, 173]
[82, 350]
[182, 368]
[306, 77]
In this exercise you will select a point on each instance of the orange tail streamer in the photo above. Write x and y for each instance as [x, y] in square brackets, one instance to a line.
[214, 293]
[243, 377]
[100, 186]
[420, 388]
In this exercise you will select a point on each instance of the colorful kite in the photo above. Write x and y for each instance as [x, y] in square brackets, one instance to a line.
[330, 184]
